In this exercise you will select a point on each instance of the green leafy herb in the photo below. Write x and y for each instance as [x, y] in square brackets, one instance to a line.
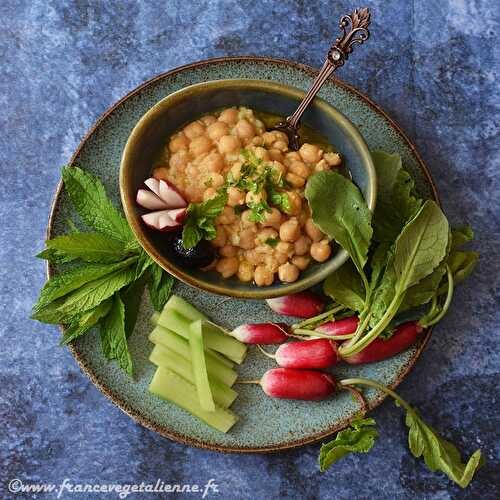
[200, 221]
[257, 211]
[89, 198]
[160, 287]
[345, 287]
[272, 242]
[339, 210]
[358, 438]
[278, 199]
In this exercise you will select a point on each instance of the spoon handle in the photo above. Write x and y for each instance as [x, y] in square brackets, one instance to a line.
[354, 31]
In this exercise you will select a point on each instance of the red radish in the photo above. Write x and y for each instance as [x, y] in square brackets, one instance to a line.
[167, 192]
[148, 199]
[287, 383]
[317, 353]
[301, 305]
[405, 335]
[340, 327]
[165, 220]
[261, 333]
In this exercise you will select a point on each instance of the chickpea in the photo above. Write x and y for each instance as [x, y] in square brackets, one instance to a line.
[236, 170]
[229, 144]
[320, 250]
[215, 180]
[321, 166]
[257, 141]
[200, 145]
[209, 193]
[301, 261]
[288, 273]
[302, 245]
[290, 230]
[228, 251]
[280, 146]
[263, 276]
[276, 155]
[295, 180]
[261, 153]
[254, 257]
[235, 197]
[272, 218]
[279, 168]
[255, 197]
[213, 162]
[245, 129]
[227, 216]
[271, 263]
[245, 219]
[229, 116]
[245, 271]
[295, 203]
[313, 231]
[299, 168]
[265, 234]
[310, 153]
[284, 247]
[281, 257]
[220, 236]
[179, 160]
[246, 239]
[280, 136]
[269, 137]
[194, 129]
[216, 130]
[227, 266]
[292, 156]
[208, 119]
[333, 159]
[178, 142]
[160, 173]
[192, 171]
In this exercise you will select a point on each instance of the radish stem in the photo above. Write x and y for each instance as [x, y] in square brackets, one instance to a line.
[357, 394]
[263, 351]
[446, 305]
[319, 317]
[315, 333]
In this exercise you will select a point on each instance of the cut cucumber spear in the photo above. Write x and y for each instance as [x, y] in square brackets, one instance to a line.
[199, 366]
[174, 317]
[167, 385]
[216, 369]
[223, 395]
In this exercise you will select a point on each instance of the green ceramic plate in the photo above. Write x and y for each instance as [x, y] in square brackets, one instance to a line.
[265, 424]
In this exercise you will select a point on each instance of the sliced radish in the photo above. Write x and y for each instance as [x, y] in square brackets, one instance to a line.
[154, 185]
[165, 220]
[170, 195]
[148, 199]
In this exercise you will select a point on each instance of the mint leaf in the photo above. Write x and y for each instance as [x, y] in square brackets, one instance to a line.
[68, 281]
[89, 198]
[81, 324]
[200, 221]
[91, 294]
[89, 247]
[257, 211]
[113, 336]
[160, 287]
[439, 454]
[358, 438]
[131, 297]
[340, 211]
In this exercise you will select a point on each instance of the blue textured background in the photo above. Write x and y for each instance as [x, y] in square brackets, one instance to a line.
[434, 66]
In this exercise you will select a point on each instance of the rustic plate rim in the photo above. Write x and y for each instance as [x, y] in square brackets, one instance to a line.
[116, 399]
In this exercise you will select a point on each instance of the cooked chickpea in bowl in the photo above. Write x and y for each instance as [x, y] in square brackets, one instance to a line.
[264, 231]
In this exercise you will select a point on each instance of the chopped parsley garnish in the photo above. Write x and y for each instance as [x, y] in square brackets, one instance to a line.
[272, 242]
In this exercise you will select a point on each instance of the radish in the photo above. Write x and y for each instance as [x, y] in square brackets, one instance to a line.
[167, 192]
[287, 383]
[147, 199]
[343, 326]
[165, 220]
[317, 353]
[261, 333]
[405, 335]
[301, 305]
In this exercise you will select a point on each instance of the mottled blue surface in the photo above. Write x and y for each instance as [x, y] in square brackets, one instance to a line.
[432, 65]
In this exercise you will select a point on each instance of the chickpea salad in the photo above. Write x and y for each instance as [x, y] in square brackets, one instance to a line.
[240, 188]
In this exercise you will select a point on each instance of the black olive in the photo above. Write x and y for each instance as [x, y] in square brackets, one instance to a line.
[199, 256]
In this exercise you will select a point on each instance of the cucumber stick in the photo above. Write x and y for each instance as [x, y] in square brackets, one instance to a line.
[200, 367]
[223, 395]
[167, 385]
[214, 336]
[170, 340]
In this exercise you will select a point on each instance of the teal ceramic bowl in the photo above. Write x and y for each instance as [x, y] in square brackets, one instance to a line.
[177, 109]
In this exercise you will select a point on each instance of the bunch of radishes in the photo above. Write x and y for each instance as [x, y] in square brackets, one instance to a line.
[167, 203]
[300, 361]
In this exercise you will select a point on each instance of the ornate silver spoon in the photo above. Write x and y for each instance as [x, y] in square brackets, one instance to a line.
[357, 23]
